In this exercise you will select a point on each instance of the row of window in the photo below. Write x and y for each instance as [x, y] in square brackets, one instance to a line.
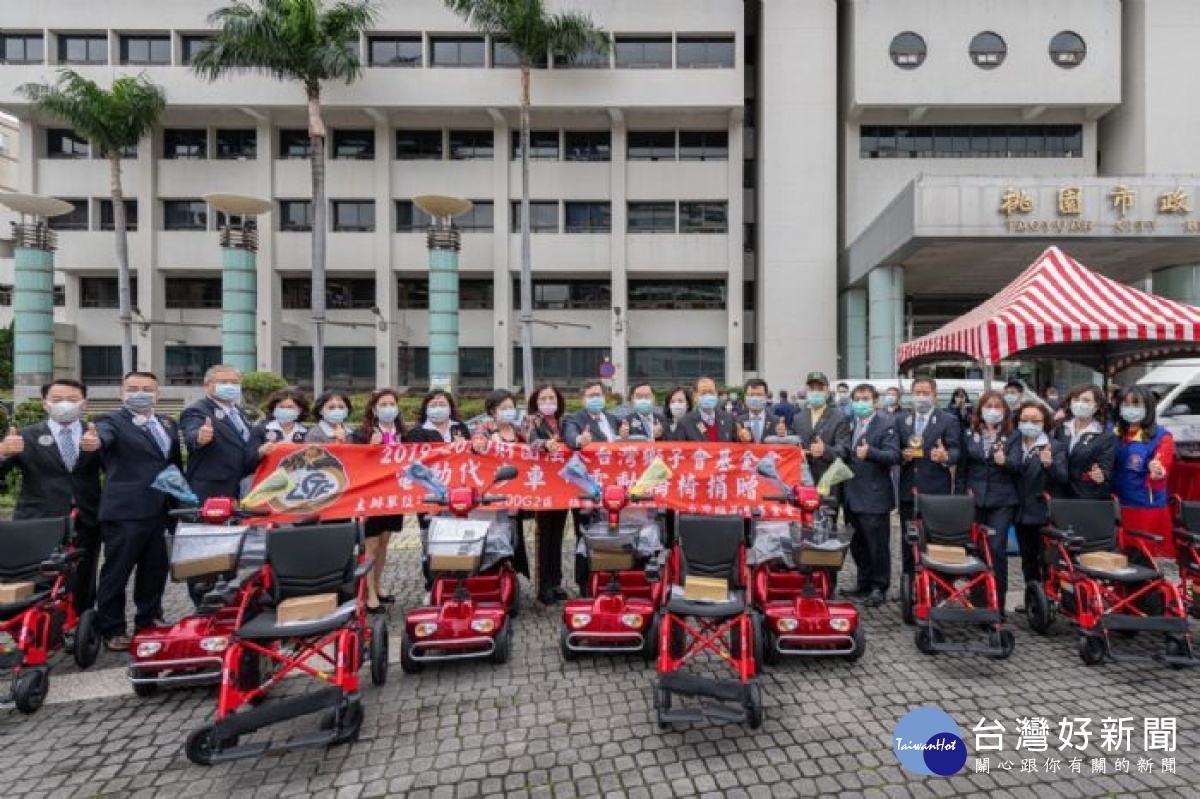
[351, 293]
[658, 51]
[987, 50]
[971, 141]
[421, 145]
[354, 367]
[358, 216]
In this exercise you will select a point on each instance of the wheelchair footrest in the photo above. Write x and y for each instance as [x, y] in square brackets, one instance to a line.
[272, 713]
[242, 752]
[1153, 624]
[702, 712]
[954, 615]
[317, 739]
[688, 685]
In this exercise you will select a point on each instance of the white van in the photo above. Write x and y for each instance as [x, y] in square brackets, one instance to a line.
[1176, 384]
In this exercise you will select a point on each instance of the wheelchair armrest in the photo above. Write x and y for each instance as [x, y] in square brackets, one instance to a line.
[912, 534]
[58, 561]
[1186, 536]
[362, 569]
[222, 594]
[1145, 536]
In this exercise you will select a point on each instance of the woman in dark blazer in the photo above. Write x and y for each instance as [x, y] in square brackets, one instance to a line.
[1091, 447]
[286, 412]
[984, 471]
[677, 405]
[543, 432]
[438, 421]
[1041, 464]
[381, 425]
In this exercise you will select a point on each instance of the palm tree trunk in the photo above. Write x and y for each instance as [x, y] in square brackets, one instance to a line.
[124, 301]
[316, 137]
[526, 256]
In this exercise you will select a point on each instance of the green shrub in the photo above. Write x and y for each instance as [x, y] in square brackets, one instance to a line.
[31, 411]
[257, 386]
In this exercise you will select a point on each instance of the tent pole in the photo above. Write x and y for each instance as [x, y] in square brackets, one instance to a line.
[988, 374]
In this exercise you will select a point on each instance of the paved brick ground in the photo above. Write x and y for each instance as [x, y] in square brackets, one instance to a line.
[541, 727]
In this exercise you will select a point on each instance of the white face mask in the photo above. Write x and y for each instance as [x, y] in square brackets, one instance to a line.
[678, 409]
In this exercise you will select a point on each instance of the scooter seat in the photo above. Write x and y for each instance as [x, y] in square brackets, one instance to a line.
[12, 609]
[266, 626]
[735, 604]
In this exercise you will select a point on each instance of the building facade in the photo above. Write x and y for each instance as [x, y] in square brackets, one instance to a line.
[738, 189]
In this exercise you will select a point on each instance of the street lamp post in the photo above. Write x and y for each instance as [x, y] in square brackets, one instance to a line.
[33, 289]
[239, 279]
[444, 243]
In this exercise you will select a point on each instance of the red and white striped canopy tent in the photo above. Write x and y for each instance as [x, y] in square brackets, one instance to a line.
[1059, 309]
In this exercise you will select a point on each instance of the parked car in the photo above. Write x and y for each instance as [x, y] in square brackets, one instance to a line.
[1176, 384]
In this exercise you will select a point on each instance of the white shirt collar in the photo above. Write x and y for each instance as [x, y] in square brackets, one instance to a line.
[277, 427]
[56, 429]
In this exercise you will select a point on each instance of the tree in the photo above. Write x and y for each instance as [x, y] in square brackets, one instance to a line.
[533, 34]
[311, 43]
[112, 120]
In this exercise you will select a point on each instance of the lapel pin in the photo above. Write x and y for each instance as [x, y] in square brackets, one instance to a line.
[46, 440]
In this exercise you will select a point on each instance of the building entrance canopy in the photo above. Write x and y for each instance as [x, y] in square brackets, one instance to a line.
[1060, 310]
[972, 235]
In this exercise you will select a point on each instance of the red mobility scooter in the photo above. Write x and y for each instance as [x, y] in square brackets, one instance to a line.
[474, 594]
[210, 545]
[795, 566]
[40, 555]
[321, 565]
[1127, 594]
[619, 613]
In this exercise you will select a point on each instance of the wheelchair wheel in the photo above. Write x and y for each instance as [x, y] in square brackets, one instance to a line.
[1004, 641]
[860, 645]
[650, 640]
[347, 720]
[145, 690]
[925, 638]
[1037, 608]
[408, 664]
[1091, 649]
[87, 640]
[503, 648]
[678, 643]
[1176, 648]
[30, 688]
[756, 639]
[379, 651]
[907, 599]
[754, 705]
[202, 744]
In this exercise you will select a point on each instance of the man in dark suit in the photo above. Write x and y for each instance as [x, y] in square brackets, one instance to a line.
[759, 421]
[217, 437]
[644, 423]
[823, 430]
[137, 444]
[785, 409]
[593, 423]
[869, 497]
[59, 461]
[930, 440]
[707, 422]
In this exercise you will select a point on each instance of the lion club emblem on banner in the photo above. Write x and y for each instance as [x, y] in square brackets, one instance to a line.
[304, 482]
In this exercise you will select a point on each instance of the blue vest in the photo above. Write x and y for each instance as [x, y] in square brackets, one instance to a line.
[1132, 471]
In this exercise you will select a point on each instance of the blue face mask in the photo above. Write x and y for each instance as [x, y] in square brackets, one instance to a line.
[1030, 429]
[285, 415]
[756, 403]
[862, 408]
[815, 399]
[437, 413]
[139, 401]
[506, 415]
[387, 413]
[228, 392]
[888, 401]
[593, 404]
[707, 402]
[335, 415]
[1133, 414]
[643, 405]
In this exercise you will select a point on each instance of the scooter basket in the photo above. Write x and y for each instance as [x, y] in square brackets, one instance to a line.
[456, 545]
[203, 550]
[610, 550]
[820, 546]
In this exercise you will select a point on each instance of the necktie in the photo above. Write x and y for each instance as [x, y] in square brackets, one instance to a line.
[605, 428]
[66, 446]
[648, 423]
[921, 421]
[160, 435]
[757, 429]
[240, 424]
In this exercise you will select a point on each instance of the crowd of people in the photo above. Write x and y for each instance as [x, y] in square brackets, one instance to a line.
[1004, 447]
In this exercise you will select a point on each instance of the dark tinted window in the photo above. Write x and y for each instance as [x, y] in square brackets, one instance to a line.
[75, 219]
[543, 145]
[346, 293]
[185, 143]
[587, 145]
[237, 144]
[419, 145]
[543, 216]
[395, 51]
[353, 216]
[131, 215]
[674, 365]
[467, 145]
[457, 51]
[77, 49]
[704, 52]
[295, 215]
[588, 217]
[650, 145]
[643, 51]
[971, 141]
[191, 45]
[703, 217]
[703, 145]
[676, 295]
[410, 218]
[354, 144]
[186, 365]
[908, 50]
[22, 48]
[294, 144]
[63, 143]
[193, 292]
[146, 50]
[652, 217]
[185, 215]
[101, 292]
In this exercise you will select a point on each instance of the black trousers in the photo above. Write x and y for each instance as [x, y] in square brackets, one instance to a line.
[87, 538]
[583, 574]
[550, 527]
[1029, 538]
[907, 510]
[132, 546]
[999, 519]
[871, 549]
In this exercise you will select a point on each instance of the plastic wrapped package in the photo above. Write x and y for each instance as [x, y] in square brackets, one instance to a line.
[205, 549]
[773, 542]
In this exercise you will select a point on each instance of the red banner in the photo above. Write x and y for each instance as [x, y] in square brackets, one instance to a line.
[338, 481]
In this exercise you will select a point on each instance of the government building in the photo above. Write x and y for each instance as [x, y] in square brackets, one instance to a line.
[737, 189]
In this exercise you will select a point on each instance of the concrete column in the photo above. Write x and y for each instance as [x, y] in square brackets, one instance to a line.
[618, 256]
[239, 305]
[505, 335]
[1179, 283]
[386, 339]
[444, 244]
[885, 302]
[270, 346]
[33, 306]
[735, 336]
[854, 333]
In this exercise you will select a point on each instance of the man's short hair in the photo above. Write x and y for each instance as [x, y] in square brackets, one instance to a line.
[756, 382]
[924, 380]
[592, 383]
[866, 387]
[1014, 383]
[643, 384]
[845, 386]
[139, 373]
[64, 382]
[211, 374]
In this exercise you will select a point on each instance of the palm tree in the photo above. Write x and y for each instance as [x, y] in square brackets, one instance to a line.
[295, 40]
[532, 33]
[113, 120]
